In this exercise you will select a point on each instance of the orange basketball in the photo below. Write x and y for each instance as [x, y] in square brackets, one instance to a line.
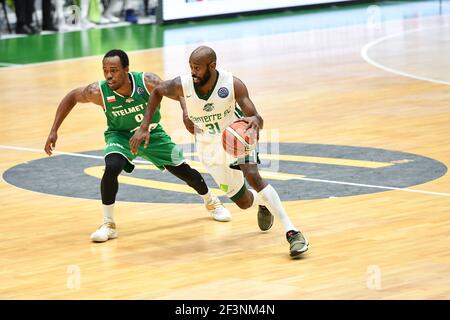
[236, 141]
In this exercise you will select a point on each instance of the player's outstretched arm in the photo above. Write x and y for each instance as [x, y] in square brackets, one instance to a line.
[170, 88]
[152, 80]
[90, 93]
[253, 119]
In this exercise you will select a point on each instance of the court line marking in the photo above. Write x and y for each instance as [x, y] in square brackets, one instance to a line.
[322, 160]
[445, 194]
[97, 172]
[365, 56]
[184, 45]
[6, 64]
[97, 56]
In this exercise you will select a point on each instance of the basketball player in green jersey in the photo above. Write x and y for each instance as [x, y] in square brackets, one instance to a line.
[210, 97]
[123, 96]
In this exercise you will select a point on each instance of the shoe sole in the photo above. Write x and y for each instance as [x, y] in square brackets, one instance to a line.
[222, 220]
[297, 253]
[114, 236]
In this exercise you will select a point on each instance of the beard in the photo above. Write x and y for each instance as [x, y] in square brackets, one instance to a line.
[203, 80]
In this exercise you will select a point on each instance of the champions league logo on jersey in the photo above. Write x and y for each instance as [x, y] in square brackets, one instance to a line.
[140, 91]
[223, 92]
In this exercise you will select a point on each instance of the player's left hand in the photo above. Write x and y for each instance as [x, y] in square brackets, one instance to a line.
[189, 124]
[252, 125]
[136, 140]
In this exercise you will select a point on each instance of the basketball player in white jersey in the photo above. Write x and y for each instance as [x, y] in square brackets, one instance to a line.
[211, 97]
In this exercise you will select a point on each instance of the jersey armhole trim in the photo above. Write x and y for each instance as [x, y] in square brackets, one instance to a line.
[185, 85]
[145, 85]
[103, 97]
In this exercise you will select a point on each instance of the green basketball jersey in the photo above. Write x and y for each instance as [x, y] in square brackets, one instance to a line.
[127, 113]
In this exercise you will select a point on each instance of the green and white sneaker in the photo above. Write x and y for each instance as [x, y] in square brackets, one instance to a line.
[265, 218]
[299, 244]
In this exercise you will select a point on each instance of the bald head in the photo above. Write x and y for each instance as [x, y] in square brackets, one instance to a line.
[203, 66]
[203, 55]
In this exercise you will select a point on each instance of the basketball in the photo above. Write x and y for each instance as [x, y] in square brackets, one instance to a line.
[236, 141]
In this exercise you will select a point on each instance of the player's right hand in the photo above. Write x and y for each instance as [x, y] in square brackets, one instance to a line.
[51, 142]
[136, 140]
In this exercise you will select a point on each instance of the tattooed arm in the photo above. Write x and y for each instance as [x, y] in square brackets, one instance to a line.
[90, 93]
[152, 80]
[170, 88]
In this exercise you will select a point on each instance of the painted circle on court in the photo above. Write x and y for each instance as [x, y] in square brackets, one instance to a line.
[420, 54]
[286, 166]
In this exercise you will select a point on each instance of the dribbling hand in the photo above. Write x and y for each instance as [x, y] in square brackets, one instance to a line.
[252, 125]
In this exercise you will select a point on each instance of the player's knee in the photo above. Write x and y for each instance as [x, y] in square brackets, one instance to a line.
[112, 169]
[114, 164]
[194, 180]
[244, 202]
[256, 181]
[184, 172]
[253, 177]
[192, 177]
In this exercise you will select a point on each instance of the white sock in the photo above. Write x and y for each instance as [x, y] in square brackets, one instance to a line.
[272, 201]
[108, 213]
[256, 199]
[84, 9]
[207, 197]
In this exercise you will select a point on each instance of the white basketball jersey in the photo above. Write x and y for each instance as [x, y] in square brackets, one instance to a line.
[218, 111]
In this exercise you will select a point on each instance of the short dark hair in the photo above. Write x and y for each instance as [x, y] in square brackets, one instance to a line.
[118, 53]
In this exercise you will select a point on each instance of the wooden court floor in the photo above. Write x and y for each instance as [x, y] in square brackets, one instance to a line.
[312, 87]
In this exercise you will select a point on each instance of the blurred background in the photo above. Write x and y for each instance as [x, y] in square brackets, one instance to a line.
[63, 29]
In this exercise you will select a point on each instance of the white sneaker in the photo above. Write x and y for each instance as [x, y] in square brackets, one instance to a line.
[105, 232]
[87, 24]
[111, 18]
[217, 210]
[104, 20]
